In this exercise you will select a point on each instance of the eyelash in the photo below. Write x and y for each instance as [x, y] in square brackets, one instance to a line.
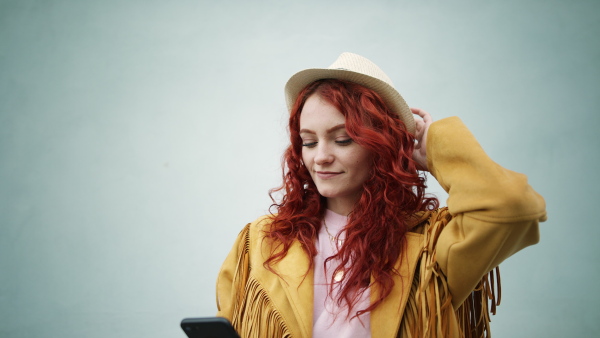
[344, 142]
[341, 143]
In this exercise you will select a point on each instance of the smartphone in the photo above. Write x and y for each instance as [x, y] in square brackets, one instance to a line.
[208, 327]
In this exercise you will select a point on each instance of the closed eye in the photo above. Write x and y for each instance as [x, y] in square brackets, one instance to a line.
[344, 142]
[309, 144]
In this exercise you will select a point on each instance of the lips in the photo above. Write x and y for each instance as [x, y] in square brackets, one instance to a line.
[326, 175]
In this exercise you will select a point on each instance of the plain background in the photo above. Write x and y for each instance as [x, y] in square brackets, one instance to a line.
[138, 137]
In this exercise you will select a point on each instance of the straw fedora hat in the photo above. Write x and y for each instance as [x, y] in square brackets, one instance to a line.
[354, 68]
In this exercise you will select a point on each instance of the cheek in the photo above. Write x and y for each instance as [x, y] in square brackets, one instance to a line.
[363, 159]
[364, 162]
[305, 160]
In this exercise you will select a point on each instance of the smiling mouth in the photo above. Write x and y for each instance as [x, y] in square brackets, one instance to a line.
[324, 175]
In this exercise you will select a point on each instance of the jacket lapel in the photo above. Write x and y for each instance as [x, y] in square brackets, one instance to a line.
[385, 319]
[298, 286]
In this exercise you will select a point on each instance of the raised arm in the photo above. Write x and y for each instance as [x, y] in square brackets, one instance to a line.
[495, 211]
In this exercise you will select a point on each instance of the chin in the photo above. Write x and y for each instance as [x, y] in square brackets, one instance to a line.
[327, 193]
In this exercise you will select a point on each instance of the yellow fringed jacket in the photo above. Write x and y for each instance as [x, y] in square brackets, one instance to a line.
[445, 274]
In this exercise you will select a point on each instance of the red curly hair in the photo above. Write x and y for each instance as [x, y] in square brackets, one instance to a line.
[377, 224]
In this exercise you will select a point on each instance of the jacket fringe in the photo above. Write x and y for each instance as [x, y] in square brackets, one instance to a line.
[474, 314]
[254, 315]
[429, 311]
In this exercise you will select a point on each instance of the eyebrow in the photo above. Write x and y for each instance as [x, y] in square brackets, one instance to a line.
[332, 129]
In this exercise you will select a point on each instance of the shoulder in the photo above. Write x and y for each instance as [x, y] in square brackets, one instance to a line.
[254, 234]
[251, 234]
[262, 221]
[420, 222]
[257, 227]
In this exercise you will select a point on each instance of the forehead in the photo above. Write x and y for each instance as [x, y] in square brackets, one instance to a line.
[318, 113]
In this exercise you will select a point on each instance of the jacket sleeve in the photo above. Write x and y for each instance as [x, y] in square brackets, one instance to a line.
[495, 212]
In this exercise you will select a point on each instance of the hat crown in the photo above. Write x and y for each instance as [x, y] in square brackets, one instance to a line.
[357, 69]
[359, 64]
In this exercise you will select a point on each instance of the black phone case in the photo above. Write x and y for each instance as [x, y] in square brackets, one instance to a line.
[208, 327]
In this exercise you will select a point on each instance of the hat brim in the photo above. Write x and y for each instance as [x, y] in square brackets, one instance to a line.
[390, 96]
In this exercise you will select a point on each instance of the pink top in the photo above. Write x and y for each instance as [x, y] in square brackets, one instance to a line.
[329, 319]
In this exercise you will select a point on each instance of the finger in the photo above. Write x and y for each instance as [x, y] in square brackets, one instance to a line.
[419, 124]
[423, 114]
[427, 118]
[416, 111]
[418, 120]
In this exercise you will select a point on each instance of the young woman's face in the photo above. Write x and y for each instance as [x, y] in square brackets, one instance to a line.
[337, 165]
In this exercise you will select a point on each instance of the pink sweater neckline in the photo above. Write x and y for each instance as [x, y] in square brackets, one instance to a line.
[330, 319]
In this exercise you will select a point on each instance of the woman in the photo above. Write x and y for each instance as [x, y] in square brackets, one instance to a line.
[356, 248]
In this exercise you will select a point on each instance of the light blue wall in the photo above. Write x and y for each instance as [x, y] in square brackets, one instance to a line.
[138, 137]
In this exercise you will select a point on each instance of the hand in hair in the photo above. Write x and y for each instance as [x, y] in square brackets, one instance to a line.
[422, 124]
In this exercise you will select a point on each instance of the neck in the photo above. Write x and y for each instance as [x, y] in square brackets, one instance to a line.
[341, 206]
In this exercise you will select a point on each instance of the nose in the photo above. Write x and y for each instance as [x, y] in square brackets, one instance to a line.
[323, 154]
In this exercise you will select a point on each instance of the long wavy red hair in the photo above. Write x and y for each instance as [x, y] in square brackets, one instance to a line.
[377, 224]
